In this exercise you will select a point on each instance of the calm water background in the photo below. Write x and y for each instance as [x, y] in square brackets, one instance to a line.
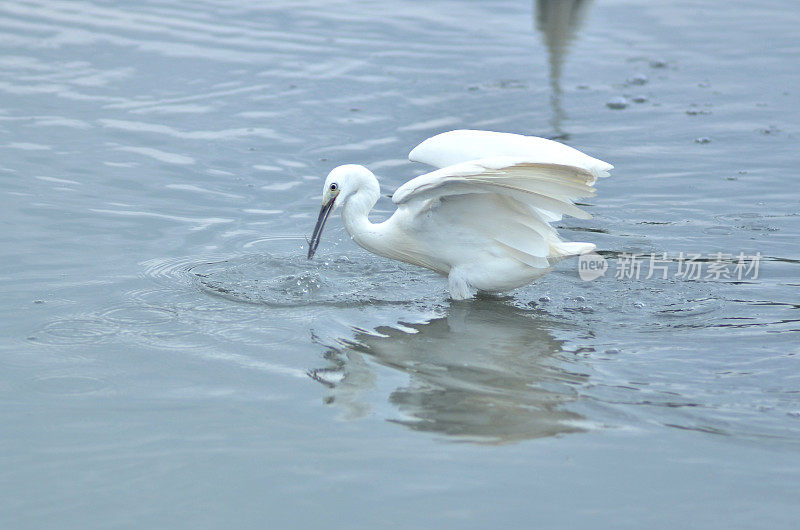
[169, 358]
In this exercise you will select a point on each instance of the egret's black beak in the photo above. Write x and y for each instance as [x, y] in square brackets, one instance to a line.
[324, 212]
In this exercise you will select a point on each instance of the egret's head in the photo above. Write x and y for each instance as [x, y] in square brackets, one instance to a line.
[340, 185]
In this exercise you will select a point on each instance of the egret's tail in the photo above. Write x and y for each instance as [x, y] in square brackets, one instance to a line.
[600, 169]
[564, 249]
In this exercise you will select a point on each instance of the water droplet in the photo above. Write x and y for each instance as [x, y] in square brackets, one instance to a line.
[638, 79]
[617, 103]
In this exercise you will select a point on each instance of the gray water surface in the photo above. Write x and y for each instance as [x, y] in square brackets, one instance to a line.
[170, 359]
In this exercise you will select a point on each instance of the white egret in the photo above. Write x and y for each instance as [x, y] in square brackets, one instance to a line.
[482, 219]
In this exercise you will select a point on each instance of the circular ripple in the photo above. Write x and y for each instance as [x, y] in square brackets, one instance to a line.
[169, 269]
[138, 315]
[77, 331]
[67, 385]
[691, 309]
[254, 334]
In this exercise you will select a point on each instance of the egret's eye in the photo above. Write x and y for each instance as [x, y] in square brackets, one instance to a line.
[334, 187]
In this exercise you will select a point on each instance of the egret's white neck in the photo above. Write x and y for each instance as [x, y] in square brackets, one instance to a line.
[355, 212]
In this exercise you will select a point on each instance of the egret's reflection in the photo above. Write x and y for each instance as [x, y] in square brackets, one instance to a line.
[558, 20]
[486, 372]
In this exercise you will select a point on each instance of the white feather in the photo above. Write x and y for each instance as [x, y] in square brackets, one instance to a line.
[453, 147]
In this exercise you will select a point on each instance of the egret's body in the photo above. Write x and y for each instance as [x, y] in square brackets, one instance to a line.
[483, 219]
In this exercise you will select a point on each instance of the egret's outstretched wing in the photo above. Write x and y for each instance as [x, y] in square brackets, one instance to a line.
[506, 200]
[459, 146]
[549, 187]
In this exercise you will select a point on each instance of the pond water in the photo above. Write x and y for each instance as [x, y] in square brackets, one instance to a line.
[169, 358]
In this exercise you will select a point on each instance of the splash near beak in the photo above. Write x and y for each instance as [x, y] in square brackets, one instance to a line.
[324, 212]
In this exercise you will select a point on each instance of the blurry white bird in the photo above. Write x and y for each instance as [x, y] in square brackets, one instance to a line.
[483, 219]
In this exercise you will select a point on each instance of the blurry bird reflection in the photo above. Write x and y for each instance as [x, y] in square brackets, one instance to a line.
[558, 21]
[487, 372]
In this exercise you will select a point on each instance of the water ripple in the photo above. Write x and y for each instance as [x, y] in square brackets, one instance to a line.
[67, 385]
[292, 281]
[88, 330]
